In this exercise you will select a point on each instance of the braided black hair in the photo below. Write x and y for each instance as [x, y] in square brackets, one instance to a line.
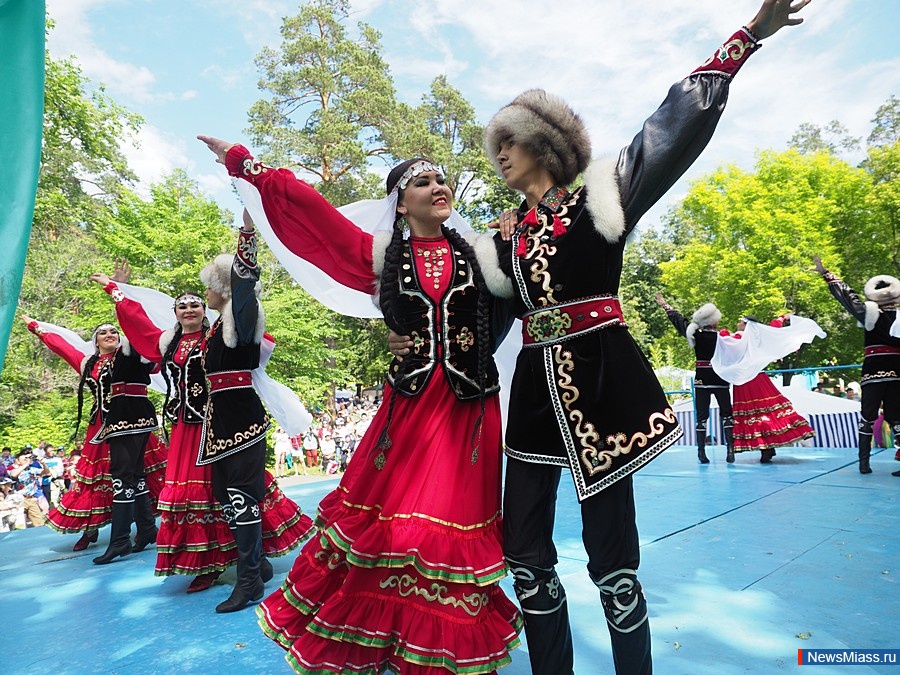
[482, 325]
[85, 373]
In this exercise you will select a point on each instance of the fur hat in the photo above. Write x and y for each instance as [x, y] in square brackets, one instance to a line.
[217, 274]
[548, 127]
[883, 289]
[707, 315]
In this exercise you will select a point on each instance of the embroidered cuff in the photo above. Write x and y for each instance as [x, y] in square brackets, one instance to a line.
[830, 277]
[240, 163]
[246, 248]
[114, 292]
[34, 328]
[729, 58]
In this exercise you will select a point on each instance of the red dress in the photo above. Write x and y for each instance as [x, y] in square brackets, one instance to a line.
[763, 417]
[194, 537]
[404, 573]
[87, 505]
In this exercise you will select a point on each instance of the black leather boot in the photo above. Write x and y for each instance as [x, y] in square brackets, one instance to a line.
[543, 602]
[144, 519]
[265, 570]
[122, 517]
[728, 432]
[249, 586]
[701, 447]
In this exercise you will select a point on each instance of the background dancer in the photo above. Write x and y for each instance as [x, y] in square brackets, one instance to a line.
[881, 364]
[701, 334]
[195, 537]
[110, 476]
[409, 558]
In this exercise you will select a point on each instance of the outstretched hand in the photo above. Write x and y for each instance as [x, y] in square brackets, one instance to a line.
[775, 15]
[100, 278]
[121, 271]
[217, 146]
[660, 300]
[27, 319]
[820, 268]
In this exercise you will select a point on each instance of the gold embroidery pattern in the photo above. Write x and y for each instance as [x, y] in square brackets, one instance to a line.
[145, 423]
[548, 324]
[433, 262]
[334, 560]
[471, 604]
[465, 339]
[541, 252]
[618, 441]
[734, 50]
[214, 447]
[252, 168]
[197, 389]
[586, 432]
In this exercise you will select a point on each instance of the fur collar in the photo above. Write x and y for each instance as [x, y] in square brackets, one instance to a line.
[497, 282]
[229, 332]
[872, 314]
[604, 201]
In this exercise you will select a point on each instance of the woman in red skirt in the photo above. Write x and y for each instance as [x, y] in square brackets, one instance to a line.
[194, 537]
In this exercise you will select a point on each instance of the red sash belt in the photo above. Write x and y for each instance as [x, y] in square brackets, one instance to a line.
[878, 350]
[127, 389]
[567, 320]
[703, 364]
[233, 379]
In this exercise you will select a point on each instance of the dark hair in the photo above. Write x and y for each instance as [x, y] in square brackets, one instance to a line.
[389, 295]
[398, 171]
[749, 317]
[85, 373]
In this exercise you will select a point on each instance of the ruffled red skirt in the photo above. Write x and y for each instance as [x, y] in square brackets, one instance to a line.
[88, 503]
[764, 418]
[404, 572]
[194, 537]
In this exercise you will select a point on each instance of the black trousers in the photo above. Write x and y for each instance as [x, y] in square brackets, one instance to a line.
[881, 395]
[610, 537]
[703, 396]
[243, 471]
[126, 458]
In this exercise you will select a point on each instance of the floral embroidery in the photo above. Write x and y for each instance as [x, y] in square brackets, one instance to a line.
[465, 339]
[733, 49]
[548, 324]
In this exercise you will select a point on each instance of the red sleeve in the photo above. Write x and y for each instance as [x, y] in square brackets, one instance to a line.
[59, 346]
[307, 224]
[141, 332]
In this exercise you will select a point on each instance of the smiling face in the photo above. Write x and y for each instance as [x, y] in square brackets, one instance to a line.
[426, 203]
[106, 337]
[190, 313]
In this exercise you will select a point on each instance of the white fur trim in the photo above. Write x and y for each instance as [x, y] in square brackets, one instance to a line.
[229, 332]
[380, 242]
[604, 200]
[165, 339]
[84, 363]
[886, 295]
[872, 314]
[217, 274]
[124, 344]
[689, 333]
[497, 282]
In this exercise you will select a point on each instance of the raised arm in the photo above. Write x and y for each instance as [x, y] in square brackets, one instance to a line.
[845, 295]
[141, 332]
[304, 222]
[674, 315]
[57, 344]
[674, 136]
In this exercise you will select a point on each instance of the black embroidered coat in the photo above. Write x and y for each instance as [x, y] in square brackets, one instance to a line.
[705, 340]
[126, 413]
[235, 417]
[592, 403]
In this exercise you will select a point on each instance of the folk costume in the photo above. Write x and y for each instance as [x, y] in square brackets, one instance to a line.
[879, 317]
[764, 418]
[195, 538]
[404, 573]
[111, 477]
[583, 395]
[701, 334]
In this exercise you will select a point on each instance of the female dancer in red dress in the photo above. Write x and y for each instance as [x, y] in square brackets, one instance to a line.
[88, 504]
[194, 537]
[404, 574]
[763, 417]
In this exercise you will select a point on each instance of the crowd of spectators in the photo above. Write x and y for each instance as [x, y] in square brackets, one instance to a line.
[328, 444]
[31, 481]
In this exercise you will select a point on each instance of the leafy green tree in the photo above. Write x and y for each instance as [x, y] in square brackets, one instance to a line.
[834, 138]
[753, 235]
[886, 124]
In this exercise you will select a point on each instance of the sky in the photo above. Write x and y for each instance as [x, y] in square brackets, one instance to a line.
[187, 67]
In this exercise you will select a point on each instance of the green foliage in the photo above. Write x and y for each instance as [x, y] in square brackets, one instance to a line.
[50, 418]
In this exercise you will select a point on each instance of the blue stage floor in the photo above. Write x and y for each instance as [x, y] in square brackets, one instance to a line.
[742, 566]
